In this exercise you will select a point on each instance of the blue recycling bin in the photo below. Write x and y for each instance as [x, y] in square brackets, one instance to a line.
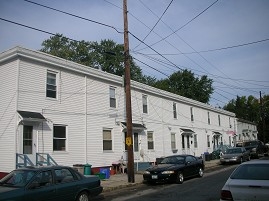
[105, 171]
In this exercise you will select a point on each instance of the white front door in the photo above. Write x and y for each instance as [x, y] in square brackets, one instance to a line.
[29, 142]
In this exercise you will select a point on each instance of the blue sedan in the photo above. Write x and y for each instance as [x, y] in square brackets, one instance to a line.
[54, 183]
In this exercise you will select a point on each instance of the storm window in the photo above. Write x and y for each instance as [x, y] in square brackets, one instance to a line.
[59, 138]
[107, 140]
[145, 103]
[112, 97]
[51, 90]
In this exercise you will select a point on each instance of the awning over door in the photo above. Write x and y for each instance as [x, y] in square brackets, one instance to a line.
[215, 133]
[136, 127]
[31, 116]
[186, 131]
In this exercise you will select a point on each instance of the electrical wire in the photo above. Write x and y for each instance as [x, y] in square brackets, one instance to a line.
[155, 24]
[183, 25]
[67, 13]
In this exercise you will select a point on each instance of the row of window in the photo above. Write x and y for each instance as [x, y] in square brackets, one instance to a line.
[51, 92]
[60, 139]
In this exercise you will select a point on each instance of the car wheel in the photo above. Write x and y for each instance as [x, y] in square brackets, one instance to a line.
[83, 196]
[241, 160]
[201, 172]
[180, 178]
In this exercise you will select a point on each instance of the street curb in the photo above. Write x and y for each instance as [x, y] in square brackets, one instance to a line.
[109, 189]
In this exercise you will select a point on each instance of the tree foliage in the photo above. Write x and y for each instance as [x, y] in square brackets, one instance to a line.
[251, 109]
[106, 55]
[109, 56]
[184, 83]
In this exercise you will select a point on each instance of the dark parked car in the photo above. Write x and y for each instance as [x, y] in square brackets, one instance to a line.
[256, 148]
[54, 183]
[235, 155]
[175, 169]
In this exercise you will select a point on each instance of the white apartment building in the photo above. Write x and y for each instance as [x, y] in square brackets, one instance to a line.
[76, 115]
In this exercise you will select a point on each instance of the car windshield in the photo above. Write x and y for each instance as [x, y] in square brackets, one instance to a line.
[233, 151]
[173, 160]
[17, 178]
[251, 172]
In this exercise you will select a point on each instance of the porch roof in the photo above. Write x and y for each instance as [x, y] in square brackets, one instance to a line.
[31, 116]
[186, 131]
[136, 126]
[216, 133]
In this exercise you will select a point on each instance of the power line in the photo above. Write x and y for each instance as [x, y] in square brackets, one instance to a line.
[83, 18]
[40, 30]
[217, 49]
[155, 24]
[183, 25]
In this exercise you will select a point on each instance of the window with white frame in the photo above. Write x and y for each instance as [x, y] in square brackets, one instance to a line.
[208, 118]
[107, 140]
[192, 118]
[51, 89]
[208, 140]
[112, 97]
[219, 119]
[150, 140]
[59, 138]
[175, 110]
[173, 141]
[195, 141]
[145, 103]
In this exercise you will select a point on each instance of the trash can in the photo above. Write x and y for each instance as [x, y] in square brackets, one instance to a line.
[105, 171]
[79, 168]
[87, 169]
[207, 156]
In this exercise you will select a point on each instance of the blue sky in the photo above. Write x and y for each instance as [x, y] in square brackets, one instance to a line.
[241, 71]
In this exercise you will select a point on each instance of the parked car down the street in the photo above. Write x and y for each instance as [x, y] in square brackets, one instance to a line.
[48, 183]
[256, 148]
[249, 181]
[235, 155]
[175, 168]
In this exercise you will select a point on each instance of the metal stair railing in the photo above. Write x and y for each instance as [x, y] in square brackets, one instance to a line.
[44, 159]
[26, 161]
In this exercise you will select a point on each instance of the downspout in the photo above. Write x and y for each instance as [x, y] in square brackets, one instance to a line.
[16, 139]
[86, 132]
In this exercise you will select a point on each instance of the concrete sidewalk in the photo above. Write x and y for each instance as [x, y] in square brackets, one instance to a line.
[118, 181]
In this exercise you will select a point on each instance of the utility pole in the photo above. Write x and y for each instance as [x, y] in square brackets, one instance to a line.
[129, 138]
[262, 118]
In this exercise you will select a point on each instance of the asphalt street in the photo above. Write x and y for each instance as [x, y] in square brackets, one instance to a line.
[202, 189]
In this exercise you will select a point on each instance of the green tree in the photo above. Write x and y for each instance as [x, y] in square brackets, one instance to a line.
[109, 56]
[106, 55]
[184, 83]
[249, 108]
